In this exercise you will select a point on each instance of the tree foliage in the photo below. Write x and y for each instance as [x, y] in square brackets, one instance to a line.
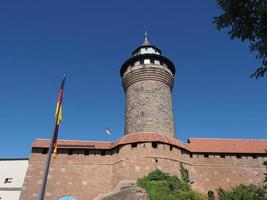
[159, 186]
[242, 192]
[247, 21]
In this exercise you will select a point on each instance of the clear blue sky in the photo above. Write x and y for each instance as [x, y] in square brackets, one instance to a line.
[89, 40]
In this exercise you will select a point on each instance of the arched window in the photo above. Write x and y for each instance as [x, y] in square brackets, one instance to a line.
[211, 195]
[67, 197]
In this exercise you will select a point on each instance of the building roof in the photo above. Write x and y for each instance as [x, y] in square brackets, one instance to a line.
[221, 145]
[194, 145]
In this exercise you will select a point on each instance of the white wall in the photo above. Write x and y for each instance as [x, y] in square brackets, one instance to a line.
[15, 169]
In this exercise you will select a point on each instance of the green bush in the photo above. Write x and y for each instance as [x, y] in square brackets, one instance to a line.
[184, 174]
[163, 186]
[242, 192]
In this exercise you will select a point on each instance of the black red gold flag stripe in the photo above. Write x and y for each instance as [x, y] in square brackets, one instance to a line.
[58, 116]
[53, 143]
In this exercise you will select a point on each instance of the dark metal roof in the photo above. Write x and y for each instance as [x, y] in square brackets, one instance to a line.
[146, 45]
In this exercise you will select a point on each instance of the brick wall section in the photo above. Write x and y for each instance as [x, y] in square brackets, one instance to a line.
[148, 100]
[87, 176]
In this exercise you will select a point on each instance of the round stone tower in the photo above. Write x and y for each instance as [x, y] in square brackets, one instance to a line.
[147, 79]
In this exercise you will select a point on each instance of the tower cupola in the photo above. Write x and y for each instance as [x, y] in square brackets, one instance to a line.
[147, 78]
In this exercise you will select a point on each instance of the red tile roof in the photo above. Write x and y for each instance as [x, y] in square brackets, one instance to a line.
[196, 145]
[212, 145]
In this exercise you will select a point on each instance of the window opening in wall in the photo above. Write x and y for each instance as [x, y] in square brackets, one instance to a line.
[211, 195]
[171, 147]
[103, 153]
[142, 113]
[45, 151]
[191, 155]
[8, 180]
[86, 152]
[206, 155]
[156, 160]
[134, 145]
[152, 61]
[238, 156]
[117, 149]
[254, 156]
[141, 62]
[222, 156]
[154, 145]
[182, 152]
[70, 152]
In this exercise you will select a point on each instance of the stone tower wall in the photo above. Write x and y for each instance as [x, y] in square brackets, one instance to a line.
[149, 100]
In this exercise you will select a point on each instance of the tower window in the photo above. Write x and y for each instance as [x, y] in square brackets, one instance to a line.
[141, 62]
[171, 147]
[137, 63]
[222, 156]
[146, 61]
[152, 61]
[191, 155]
[154, 145]
[157, 62]
[254, 156]
[206, 155]
[238, 156]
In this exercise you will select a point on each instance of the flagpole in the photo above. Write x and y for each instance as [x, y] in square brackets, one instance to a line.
[44, 181]
[45, 176]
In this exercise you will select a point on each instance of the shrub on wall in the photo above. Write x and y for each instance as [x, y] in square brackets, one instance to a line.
[160, 185]
[242, 192]
[184, 174]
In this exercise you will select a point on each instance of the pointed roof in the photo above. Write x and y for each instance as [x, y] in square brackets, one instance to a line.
[146, 43]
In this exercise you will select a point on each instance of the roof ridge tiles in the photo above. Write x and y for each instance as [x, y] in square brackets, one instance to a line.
[245, 139]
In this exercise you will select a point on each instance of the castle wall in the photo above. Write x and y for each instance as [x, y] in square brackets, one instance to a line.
[87, 176]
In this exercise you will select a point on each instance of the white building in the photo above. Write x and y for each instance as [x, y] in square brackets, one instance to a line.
[12, 174]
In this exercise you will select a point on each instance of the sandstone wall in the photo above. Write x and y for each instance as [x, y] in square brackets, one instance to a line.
[87, 176]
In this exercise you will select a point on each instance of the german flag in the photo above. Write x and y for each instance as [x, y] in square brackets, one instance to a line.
[58, 116]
